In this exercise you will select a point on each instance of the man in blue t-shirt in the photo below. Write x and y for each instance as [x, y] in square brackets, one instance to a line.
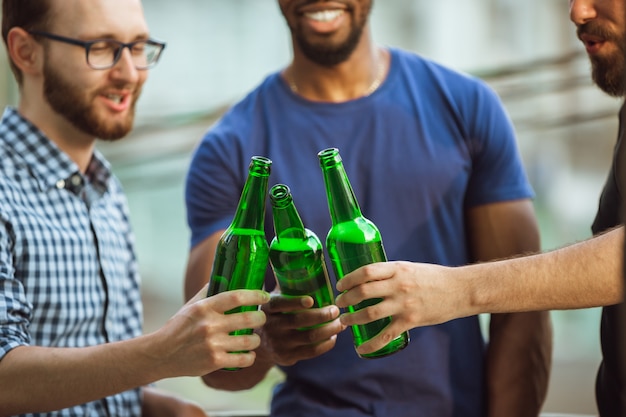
[433, 162]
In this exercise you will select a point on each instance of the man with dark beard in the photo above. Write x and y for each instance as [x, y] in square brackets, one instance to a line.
[601, 26]
[586, 274]
[70, 304]
[432, 158]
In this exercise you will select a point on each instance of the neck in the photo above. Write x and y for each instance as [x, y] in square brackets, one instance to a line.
[359, 76]
[75, 143]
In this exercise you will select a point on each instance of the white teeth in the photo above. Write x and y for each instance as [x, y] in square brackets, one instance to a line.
[114, 97]
[324, 15]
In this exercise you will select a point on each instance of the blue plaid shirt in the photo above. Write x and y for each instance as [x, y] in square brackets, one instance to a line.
[68, 272]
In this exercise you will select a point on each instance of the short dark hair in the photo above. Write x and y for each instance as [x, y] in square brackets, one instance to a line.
[27, 14]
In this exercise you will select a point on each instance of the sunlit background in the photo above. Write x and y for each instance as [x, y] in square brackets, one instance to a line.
[218, 50]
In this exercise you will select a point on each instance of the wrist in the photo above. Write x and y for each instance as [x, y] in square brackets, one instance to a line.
[473, 297]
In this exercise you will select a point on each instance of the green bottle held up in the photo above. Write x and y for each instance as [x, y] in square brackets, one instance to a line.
[296, 253]
[353, 241]
[242, 253]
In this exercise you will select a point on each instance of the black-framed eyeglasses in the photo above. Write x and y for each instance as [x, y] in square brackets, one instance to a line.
[105, 53]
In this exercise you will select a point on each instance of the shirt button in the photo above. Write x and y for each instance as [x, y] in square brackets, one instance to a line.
[76, 180]
[60, 184]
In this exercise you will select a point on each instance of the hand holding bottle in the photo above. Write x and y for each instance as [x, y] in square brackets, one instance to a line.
[294, 331]
[354, 241]
[412, 295]
[198, 339]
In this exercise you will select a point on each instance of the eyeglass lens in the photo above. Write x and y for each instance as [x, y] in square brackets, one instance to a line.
[104, 54]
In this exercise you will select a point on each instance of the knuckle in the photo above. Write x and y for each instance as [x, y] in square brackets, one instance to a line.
[386, 337]
[253, 319]
[373, 312]
[207, 330]
[368, 271]
[238, 297]
[244, 360]
[363, 292]
[251, 342]
[405, 288]
[310, 336]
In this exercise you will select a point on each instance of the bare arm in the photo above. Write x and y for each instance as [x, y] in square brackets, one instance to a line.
[157, 403]
[514, 387]
[581, 275]
[194, 342]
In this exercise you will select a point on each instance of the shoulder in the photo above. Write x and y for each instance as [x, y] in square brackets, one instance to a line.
[243, 127]
[13, 173]
[253, 105]
[438, 75]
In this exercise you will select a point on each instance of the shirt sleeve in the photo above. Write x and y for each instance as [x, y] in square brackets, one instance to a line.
[213, 185]
[15, 310]
[497, 169]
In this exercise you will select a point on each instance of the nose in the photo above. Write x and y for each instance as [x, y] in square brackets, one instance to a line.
[582, 11]
[124, 68]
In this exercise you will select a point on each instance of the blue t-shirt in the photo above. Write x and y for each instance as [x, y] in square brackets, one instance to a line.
[420, 150]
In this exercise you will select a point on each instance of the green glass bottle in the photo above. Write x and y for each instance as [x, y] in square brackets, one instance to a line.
[242, 253]
[353, 241]
[296, 253]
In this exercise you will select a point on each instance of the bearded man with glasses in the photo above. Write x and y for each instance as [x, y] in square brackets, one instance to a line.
[70, 305]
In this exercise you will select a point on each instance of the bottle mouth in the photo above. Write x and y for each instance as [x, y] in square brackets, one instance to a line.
[329, 157]
[260, 165]
[280, 195]
[261, 160]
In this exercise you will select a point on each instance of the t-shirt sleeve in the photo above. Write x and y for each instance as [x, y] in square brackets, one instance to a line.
[212, 186]
[497, 170]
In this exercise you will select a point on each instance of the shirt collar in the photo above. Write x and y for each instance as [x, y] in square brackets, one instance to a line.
[46, 162]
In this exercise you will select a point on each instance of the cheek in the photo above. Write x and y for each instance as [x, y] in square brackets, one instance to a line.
[143, 77]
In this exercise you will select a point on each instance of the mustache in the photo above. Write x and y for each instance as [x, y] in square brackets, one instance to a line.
[595, 29]
[308, 2]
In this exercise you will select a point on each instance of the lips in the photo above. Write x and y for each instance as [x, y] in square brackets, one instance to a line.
[323, 18]
[118, 101]
[592, 43]
[319, 6]
[117, 98]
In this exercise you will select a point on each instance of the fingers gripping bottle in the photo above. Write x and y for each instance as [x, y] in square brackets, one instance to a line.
[353, 241]
[242, 253]
[296, 253]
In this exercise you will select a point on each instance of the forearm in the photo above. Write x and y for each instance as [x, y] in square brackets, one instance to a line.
[518, 363]
[44, 379]
[157, 403]
[586, 274]
[518, 358]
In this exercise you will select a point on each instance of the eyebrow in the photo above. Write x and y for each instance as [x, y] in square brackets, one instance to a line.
[141, 36]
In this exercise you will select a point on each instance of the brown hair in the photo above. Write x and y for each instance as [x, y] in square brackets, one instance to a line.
[27, 14]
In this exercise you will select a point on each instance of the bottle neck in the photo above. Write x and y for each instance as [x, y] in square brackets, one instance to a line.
[342, 203]
[251, 209]
[287, 221]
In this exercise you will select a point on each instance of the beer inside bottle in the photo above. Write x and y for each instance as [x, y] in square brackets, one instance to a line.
[354, 241]
[296, 253]
[240, 263]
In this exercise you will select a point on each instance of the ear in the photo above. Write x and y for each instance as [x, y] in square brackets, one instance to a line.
[24, 51]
